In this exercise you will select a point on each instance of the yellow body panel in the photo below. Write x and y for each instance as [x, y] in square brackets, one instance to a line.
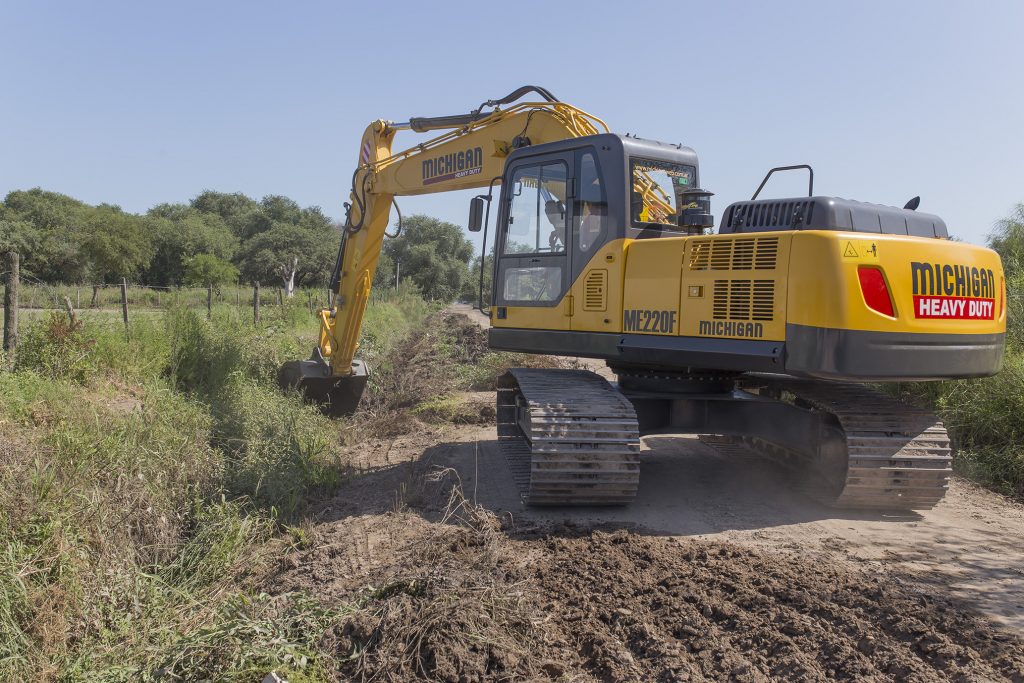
[597, 292]
[824, 290]
[751, 286]
[555, 317]
[652, 286]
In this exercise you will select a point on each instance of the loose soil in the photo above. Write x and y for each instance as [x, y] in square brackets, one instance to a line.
[719, 571]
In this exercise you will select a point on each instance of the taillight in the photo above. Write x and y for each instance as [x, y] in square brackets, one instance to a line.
[876, 292]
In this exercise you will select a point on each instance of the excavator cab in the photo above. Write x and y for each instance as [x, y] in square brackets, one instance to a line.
[564, 203]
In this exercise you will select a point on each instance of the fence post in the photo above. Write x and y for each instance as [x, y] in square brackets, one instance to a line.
[78, 297]
[256, 303]
[124, 303]
[72, 315]
[11, 303]
[309, 297]
[95, 295]
[238, 298]
[280, 297]
[209, 302]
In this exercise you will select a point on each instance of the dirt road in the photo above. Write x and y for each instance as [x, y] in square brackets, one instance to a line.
[720, 570]
[972, 544]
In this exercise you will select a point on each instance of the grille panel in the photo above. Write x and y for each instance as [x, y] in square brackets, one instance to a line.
[745, 253]
[786, 214]
[743, 300]
[595, 289]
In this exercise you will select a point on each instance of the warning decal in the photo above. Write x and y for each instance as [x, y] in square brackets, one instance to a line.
[862, 250]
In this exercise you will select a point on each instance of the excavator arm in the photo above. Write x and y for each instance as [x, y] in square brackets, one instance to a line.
[469, 154]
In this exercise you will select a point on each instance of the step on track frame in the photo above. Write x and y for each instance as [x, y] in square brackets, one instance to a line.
[570, 437]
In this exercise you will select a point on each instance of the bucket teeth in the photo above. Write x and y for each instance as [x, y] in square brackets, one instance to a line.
[570, 438]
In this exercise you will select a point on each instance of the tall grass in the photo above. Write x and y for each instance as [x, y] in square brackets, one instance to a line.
[144, 481]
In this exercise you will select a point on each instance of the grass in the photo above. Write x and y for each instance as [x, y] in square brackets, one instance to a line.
[148, 483]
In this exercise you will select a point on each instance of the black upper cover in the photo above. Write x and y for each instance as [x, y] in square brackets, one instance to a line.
[828, 213]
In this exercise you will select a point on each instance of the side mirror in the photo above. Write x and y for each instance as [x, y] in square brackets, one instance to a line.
[476, 214]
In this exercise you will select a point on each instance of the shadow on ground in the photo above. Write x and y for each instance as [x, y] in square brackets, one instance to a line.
[686, 489]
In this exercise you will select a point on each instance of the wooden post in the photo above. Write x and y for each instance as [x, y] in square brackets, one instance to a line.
[95, 295]
[78, 297]
[158, 298]
[280, 297]
[256, 303]
[124, 303]
[11, 303]
[209, 302]
[237, 298]
[72, 315]
[309, 297]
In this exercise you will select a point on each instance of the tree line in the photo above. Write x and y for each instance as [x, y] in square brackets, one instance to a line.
[217, 238]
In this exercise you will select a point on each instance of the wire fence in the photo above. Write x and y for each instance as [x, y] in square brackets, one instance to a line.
[38, 295]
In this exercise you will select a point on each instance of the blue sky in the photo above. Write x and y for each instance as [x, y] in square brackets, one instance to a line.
[140, 103]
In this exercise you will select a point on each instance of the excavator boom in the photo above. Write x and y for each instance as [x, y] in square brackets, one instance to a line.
[470, 154]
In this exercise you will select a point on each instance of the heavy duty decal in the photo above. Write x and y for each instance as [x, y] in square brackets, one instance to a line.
[452, 166]
[724, 328]
[642, 320]
[953, 291]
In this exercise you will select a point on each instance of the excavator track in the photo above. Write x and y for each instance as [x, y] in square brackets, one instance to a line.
[569, 437]
[889, 455]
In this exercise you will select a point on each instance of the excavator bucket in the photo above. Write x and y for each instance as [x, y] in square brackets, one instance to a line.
[336, 396]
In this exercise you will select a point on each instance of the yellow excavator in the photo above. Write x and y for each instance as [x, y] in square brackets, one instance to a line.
[761, 334]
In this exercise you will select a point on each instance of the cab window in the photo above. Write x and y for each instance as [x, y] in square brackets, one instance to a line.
[536, 219]
[656, 187]
[591, 206]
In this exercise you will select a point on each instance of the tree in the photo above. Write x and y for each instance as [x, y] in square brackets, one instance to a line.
[291, 254]
[117, 244]
[1008, 240]
[206, 270]
[70, 241]
[234, 208]
[471, 292]
[434, 254]
[181, 232]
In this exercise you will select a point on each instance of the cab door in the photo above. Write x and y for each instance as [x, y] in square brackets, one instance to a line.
[533, 270]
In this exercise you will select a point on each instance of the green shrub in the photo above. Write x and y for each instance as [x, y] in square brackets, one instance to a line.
[56, 347]
[279, 449]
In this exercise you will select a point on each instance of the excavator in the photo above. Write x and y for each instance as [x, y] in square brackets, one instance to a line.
[764, 335]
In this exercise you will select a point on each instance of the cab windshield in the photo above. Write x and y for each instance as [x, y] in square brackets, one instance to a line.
[655, 192]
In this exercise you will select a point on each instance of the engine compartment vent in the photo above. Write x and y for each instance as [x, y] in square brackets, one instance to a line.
[743, 300]
[743, 253]
[595, 288]
[828, 213]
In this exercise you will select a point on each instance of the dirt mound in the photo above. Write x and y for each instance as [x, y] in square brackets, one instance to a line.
[648, 608]
[470, 602]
